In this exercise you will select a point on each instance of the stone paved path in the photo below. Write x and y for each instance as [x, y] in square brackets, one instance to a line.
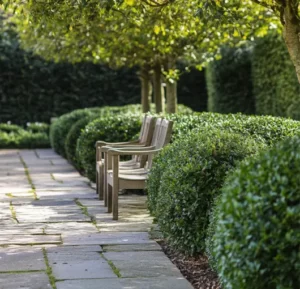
[56, 234]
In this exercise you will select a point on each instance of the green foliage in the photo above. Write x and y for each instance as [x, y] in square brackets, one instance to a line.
[116, 128]
[8, 128]
[256, 244]
[262, 128]
[275, 83]
[210, 234]
[14, 136]
[195, 169]
[38, 127]
[229, 82]
[72, 137]
[46, 89]
[59, 129]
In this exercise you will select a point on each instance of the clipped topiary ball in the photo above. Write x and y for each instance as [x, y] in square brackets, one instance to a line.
[117, 128]
[193, 173]
[60, 128]
[257, 238]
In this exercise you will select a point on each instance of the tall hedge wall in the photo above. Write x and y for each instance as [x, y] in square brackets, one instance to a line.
[46, 89]
[275, 83]
[32, 89]
[229, 82]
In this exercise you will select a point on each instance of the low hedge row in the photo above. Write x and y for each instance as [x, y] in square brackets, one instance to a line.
[255, 235]
[194, 169]
[181, 186]
[62, 126]
[14, 136]
[65, 130]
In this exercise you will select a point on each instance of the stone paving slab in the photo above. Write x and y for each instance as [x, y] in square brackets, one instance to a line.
[21, 259]
[66, 250]
[108, 239]
[29, 239]
[127, 283]
[150, 268]
[128, 248]
[38, 280]
[82, 269]
[72, 229]
[21, 229]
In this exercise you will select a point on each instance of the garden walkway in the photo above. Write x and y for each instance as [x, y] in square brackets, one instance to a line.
[55, 233]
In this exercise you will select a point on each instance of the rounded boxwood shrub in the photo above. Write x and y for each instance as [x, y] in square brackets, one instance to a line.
[116, 128]
[194, 171]
[72, 137]
[256, 243]
[60, 127]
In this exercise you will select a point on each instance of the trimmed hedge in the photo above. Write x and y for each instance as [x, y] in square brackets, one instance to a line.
[194, 171]
[23, 139]
[167, 166]
[262, 128]
[116, 128]
[256, 243]
[72, 137]
[229, 83]
[275, 83]
[8, 128]
[14, 136]
[38, 127]
[60, 128]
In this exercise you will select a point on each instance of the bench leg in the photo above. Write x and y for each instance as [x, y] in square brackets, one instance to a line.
[115, 188]
[109, 198]
[100, 180]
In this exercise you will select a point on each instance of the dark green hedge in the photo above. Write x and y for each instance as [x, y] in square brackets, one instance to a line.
[229, 82]
[256, 243]
[275, 83]
[171, 176]
[46, 89]
[194, 171]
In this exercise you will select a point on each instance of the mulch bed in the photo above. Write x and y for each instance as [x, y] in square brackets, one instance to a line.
[195, 269]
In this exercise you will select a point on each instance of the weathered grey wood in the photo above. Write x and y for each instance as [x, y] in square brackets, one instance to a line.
[118, 179]
[115, 187]
[136, 162]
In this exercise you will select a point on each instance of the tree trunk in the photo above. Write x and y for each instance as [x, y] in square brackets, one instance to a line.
[291, 35]
[145, 89]
[157, 88]
[171, 90]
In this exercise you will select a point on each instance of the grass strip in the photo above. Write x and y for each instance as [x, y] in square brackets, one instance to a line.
[49, 270]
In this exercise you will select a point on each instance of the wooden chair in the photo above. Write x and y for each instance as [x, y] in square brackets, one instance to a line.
[143, 140]
[133, 179]
[140, 160]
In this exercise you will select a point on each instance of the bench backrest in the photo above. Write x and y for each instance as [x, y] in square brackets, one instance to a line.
[162, 138]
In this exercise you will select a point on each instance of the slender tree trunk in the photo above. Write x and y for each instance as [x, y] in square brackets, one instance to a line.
[171, 90]
[145, 88]
[157, 88]
[291, 34]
